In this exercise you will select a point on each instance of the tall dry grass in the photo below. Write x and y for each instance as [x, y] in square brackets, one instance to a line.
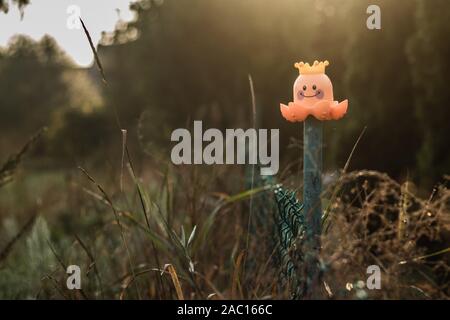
[183, 232]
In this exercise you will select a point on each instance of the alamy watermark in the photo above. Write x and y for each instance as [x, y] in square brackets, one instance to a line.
[74, 278]
[73, 20]
[374, 280]
[236, 147]
[373, 22]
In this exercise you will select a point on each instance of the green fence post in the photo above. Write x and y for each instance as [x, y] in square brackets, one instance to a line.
[313, 103]
[312, 189]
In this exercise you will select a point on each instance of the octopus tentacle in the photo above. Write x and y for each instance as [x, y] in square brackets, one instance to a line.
[322, 110]
[338, 110]
[299, 110]
[287, 112]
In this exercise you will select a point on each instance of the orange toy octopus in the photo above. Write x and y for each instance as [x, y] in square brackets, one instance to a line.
[313, 95]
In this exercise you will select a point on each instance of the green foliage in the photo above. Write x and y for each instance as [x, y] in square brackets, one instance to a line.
[174, 65]
[123, 239]
[182, 60]
[29, 101]
[428, 53]
[8, 169]
[21, 274]
[52, 94]
[379, 89]
[77, 135]
[177, 66]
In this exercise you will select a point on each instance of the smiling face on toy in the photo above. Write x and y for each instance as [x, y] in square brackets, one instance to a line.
[312, 88]
[313, 95]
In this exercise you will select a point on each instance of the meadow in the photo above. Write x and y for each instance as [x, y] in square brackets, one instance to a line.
[86, 176]
[173, 233]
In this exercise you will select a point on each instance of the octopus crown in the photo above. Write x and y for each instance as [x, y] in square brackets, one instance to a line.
[317, 67]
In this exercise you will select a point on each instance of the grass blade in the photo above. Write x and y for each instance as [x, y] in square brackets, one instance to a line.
[94, 51]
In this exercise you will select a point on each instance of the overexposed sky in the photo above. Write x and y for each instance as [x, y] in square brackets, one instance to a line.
[52, 17]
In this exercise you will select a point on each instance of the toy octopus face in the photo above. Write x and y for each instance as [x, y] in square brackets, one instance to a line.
[312, 88]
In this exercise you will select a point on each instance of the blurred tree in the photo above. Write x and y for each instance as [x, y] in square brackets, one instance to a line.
[378, 84]
[31, 84]
[191, 59]
[429, 52]
[40, 86]
[80, 136]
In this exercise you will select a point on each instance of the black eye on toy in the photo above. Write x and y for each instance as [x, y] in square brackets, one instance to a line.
[304, 87]
[314, 87]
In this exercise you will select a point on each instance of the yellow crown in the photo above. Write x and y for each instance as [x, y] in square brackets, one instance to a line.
[317, 67]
